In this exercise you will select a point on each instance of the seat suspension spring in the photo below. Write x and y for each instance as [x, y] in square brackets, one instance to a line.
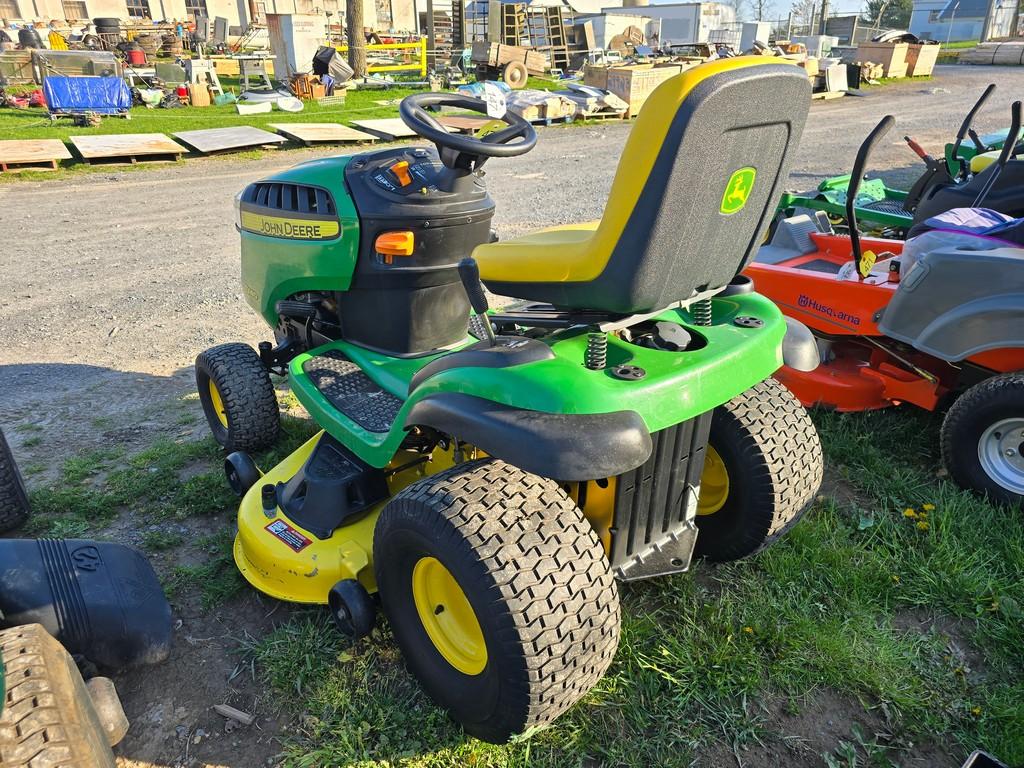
[597, 351]
[701, 311]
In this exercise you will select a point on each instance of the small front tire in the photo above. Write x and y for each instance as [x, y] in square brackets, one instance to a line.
[983, 438]
[499, 594]
[238, 397]
[763, 468]
[352, 608]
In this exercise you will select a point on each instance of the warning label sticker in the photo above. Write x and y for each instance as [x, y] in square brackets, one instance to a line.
[288, 535]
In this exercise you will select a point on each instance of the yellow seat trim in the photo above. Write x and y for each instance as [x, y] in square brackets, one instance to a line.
[982, 161]
[580, 252]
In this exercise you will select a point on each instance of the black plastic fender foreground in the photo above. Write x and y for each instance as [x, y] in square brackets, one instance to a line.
[567, 447]
[799, 349]
[99, 599]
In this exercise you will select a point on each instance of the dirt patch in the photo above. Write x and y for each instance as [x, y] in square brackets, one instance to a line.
[170, 705]
[799, 732]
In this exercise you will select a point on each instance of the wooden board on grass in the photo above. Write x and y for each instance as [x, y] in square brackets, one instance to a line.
[208, 140]
[463, 123]
[389, 128]
[320, 133]
[32, 154]
[127, 148]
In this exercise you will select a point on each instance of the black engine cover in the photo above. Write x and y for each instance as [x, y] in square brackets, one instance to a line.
[411, 305]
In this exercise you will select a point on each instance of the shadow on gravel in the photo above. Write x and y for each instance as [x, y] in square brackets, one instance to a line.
[53, 411]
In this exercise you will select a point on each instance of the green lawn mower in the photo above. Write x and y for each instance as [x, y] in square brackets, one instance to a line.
[487, 475]
[971, 172]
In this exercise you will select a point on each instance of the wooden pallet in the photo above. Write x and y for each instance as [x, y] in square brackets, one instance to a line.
[210, 140]
[464, 123]
[32, 155]
[321, 133]
[128, 148]
[623, 116]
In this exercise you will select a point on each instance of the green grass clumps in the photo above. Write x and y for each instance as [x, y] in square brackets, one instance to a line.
[215, 580]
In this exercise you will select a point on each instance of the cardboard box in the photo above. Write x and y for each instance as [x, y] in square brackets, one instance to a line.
[892, 57]
[921, 59]
[633, 84]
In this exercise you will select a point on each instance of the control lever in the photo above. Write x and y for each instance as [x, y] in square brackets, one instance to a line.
[469, 273]
[918, 150]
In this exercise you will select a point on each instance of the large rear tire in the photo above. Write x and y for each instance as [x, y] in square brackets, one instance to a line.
[983, 439]
[14, 507]
[48, 719]
[238, 398]
[763, 468]
[499, 594]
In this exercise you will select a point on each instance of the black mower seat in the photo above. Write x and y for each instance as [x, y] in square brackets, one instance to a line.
[695, 189]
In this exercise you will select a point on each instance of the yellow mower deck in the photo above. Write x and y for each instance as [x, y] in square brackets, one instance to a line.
[289, 563]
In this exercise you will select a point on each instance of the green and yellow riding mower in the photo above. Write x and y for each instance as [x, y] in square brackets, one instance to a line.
[964, 178]
[490, 474]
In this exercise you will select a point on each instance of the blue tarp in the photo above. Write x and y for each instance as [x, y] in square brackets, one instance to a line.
[106, 95]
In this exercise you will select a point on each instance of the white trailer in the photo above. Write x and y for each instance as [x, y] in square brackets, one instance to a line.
[683, 22]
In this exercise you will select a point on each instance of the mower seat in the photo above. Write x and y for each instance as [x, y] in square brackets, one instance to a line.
[983, 160]
[695, 189]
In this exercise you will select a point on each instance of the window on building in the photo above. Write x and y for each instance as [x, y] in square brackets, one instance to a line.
[138, 9]
[75, 10]
[196, 8]
[9, 9]
[933, 16]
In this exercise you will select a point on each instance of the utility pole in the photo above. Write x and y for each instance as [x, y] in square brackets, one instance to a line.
[824, 17]
[356, 37]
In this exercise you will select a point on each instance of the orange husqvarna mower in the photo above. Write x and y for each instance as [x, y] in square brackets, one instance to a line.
[935, 321]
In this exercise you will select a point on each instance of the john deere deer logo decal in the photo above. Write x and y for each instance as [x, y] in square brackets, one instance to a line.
[738, 190]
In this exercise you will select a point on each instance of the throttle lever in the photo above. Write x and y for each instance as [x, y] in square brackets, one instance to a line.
[469, 274]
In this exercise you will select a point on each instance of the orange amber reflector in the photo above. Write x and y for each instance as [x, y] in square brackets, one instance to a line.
[395, 244]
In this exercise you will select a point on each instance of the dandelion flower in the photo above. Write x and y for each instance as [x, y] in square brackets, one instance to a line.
[922, 525]
[749, 630]
[908, 512]
[928, 507]
[976, 711]
[895, 578]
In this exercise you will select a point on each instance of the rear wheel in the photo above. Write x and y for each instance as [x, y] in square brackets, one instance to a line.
[761, 471]
[49, 720]
[983, 439]
[499, 594]
[238, 397]
[13, 497]
[515, 74]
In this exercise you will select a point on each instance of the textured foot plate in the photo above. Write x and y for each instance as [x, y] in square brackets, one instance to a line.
[352, 392]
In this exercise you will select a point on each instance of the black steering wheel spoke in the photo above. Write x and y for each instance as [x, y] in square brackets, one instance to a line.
[465, 153]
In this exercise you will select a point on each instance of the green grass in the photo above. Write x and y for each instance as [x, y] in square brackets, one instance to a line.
[914, 619]
[826, 609]
[959, 45]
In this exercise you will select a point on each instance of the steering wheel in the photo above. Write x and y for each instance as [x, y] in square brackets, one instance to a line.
[465, 152]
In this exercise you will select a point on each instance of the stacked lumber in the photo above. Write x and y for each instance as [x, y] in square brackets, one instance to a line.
[540, 106]
[595, 102]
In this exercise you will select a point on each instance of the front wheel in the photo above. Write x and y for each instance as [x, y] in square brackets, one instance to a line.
[762, 469]
[983, 439]
[238, 397]
[499, 593]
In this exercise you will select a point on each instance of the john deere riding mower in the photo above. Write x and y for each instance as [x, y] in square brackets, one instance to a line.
[490, 477]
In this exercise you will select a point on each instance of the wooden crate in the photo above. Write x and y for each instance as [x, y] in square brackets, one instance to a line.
[921, 59]
[892, 57]
[634, 84]
[498, 55]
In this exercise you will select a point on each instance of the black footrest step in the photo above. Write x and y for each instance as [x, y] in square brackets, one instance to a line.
[331, 489]
[352, 392]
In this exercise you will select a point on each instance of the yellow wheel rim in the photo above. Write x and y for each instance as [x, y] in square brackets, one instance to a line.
[218, 405]
[448, 617]
[714, 484]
